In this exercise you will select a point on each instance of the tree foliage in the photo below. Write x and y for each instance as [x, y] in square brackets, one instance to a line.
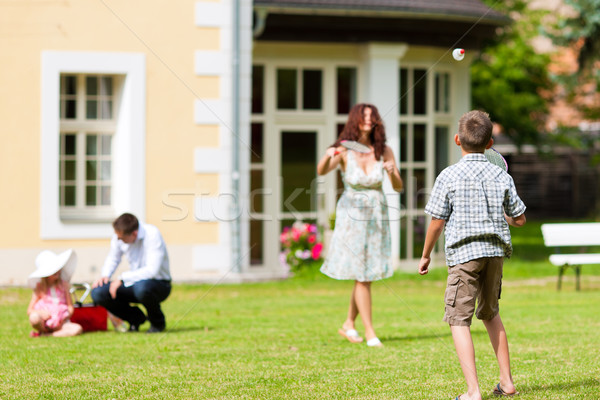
[509, 77]
[580, 31]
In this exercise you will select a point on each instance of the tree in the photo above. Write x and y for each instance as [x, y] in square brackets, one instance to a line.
[510, 79]
[580, 31]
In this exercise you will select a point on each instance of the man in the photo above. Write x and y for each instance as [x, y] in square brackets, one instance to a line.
[147, 282]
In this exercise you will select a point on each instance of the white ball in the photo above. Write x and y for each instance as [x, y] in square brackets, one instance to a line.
[458, 54]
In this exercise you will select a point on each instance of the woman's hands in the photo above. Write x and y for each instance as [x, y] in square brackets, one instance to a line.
[333, 156]
[390, 167]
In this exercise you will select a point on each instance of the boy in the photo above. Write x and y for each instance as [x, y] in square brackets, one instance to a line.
[474, 200]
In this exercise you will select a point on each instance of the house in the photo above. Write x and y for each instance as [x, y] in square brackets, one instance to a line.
[206, 118]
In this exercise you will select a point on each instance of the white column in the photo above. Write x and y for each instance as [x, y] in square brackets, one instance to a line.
[380, 86]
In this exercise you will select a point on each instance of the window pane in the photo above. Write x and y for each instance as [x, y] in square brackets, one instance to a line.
[258, 76]
[442, 140]
[286, 89]
[420, 92]
[419, 142]
[68, 84]
[256, 155]
[105, 193]
[311, 89]
[346, 89]
[69, 199]
[420, 195]
[256, 196]
[91, 85]
[403, 91]
[403, 141]
[442, 92]
[403, 238]
[418, 235]
[256, 242]
[106, 109]
[91, 109]
[403, 175]
[69, 172]
[91, 145]
[91, 170]
[68, 109]
[90, 195]
[105, 170]
[298, 169]
[70, 144]
[106, 144]
[106, 86]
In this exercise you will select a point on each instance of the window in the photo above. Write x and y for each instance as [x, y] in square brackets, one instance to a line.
[93, 117]
[425, 120]
[346, 89]
[296, 88]
[257, 168]
[87, 126]
[442, 92]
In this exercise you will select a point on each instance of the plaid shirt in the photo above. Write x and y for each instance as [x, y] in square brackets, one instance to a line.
[472, 196]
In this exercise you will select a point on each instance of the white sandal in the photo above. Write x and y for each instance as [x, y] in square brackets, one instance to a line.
[374, 342]
[351, 334]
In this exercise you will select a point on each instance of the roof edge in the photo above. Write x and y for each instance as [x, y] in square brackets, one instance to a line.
[338, 12]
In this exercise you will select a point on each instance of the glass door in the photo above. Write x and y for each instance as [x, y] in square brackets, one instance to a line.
[298, 166]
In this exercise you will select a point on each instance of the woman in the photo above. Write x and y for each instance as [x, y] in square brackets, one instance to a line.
[360, 245]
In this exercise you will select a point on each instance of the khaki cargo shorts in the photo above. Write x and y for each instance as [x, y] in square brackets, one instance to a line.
[480, 280]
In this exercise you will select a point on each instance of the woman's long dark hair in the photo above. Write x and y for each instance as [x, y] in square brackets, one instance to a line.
[352, 131]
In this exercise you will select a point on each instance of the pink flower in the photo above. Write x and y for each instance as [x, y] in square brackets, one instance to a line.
[295, 234]
[316, 251]
[312, 238]
[283, 238]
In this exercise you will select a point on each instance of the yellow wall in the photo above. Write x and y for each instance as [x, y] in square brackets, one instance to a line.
[166, 33]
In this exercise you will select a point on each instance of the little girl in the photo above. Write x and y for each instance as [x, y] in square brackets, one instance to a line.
[51, 305]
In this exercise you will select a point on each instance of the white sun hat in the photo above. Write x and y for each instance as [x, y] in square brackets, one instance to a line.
[48, 263]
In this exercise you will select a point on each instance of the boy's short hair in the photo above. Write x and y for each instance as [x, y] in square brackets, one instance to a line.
[126, 223]
[475, 130]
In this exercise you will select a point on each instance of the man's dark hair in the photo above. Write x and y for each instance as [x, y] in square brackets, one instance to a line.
[126, 223]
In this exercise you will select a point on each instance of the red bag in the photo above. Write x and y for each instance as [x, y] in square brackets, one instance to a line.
[90, 316]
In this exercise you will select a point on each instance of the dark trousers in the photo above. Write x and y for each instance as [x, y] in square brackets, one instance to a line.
[150, 293]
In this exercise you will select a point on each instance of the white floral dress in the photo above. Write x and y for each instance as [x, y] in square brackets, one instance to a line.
[360, 247]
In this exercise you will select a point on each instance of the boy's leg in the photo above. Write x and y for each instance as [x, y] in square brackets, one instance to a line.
[488, 312]
[499, 341]
[461, 292]
[463, 343]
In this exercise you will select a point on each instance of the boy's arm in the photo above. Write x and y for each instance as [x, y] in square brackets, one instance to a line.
[517, 222]
[435, 229]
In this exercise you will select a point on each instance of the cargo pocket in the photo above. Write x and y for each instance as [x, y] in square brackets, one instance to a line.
[451, 291]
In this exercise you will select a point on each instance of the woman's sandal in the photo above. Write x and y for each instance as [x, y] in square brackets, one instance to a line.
[499, 392]
[351, 334]
[375, 342]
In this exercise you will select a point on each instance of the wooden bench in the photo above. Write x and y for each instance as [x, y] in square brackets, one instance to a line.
[572, 235]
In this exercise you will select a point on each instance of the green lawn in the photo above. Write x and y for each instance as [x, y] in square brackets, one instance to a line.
[279, 340]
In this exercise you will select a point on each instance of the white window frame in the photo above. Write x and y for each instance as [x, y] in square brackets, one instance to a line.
[129, 166]
[81, 127]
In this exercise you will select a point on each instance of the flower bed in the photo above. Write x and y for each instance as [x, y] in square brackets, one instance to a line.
[300, 245]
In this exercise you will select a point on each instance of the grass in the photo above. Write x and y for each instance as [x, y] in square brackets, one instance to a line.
[278, 340]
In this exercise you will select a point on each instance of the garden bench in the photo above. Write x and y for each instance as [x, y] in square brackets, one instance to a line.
[572, 235]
